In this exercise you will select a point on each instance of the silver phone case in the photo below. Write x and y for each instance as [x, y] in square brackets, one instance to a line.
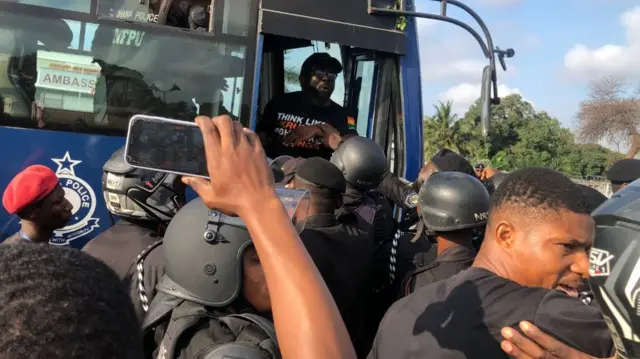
[157, 120]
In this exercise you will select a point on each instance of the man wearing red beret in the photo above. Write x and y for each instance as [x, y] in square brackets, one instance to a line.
[35, 195]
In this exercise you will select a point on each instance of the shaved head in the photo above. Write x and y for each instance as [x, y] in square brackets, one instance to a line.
[538, 193]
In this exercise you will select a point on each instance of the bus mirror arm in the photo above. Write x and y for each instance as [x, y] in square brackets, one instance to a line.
[490, 77]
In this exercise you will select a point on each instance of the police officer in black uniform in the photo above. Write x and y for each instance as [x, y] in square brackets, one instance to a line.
[451, 205]
[207, 303]
[149, 272]
[363, 163]
[623, 172]
[144, 201]
[343, 253]
[614, 263]
[410, 247]
[405, 194]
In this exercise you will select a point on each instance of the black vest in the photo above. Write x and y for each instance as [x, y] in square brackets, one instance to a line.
[243, 336]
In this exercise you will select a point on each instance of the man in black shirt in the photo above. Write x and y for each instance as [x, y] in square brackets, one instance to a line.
[299, 123]
[538, 234]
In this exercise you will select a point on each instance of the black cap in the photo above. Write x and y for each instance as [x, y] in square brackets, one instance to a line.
[289, 169]
[624, 171]
[280, 161]
[323, 174]
[322, 61]
[447, 160]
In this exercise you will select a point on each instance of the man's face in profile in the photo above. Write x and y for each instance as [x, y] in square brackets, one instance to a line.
[552, 250]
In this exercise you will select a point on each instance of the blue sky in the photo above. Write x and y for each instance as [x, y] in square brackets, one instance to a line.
[561, 46]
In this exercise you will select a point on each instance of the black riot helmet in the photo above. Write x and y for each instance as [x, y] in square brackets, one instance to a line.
[133, 193]
[362, 162]
[614, 271]
[452, 201]
[203, 249]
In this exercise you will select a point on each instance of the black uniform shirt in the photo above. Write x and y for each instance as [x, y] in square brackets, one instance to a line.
[450, 262]
[461, 317]
[153, 269]
[119, 246]
[397, 191]
[344, 256]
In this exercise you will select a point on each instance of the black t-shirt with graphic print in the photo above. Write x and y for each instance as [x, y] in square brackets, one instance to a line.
[289, 111]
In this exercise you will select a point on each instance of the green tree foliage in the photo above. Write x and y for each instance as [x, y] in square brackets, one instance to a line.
[520, 137]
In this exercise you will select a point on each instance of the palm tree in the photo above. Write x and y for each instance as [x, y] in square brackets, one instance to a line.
[442, 129]
[290, 73]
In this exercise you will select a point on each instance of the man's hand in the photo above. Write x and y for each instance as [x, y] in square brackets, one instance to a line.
[240, 175]
[302, 133]
[537, 345]
[488, 173]
[331, 137]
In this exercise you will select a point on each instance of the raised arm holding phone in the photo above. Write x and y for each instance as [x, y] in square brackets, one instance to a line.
[308, 324]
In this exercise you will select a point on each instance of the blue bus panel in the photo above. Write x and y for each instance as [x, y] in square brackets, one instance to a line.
[77, 159]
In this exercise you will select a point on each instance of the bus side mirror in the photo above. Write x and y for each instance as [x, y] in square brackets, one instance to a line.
[485, 101]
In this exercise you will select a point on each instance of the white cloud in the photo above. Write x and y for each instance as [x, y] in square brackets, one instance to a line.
[465, 94]
[585, 64]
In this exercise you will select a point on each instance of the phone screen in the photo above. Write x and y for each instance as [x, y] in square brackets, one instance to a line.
[166, 145]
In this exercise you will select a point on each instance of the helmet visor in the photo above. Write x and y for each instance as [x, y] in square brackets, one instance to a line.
[296, 202]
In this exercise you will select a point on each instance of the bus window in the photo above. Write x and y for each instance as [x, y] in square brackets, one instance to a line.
[232, 95]
[236, 17]
[70, 5]
[294, 58]
[130, 10]
[94, 84]
[365, 72]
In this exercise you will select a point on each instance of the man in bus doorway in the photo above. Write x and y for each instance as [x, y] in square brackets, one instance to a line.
[307, 123]
[35, 195]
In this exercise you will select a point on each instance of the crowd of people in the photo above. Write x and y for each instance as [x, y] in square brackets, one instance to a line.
[472, 263]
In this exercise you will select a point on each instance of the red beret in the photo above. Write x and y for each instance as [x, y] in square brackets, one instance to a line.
[28, 187]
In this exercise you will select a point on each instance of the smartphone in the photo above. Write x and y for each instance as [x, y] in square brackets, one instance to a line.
[165, 145]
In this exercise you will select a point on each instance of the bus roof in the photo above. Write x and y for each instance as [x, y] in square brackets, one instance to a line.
[346, 22]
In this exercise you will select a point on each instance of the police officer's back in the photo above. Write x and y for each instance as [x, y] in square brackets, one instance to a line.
[145, 201]
[212, 272]
[451, 206]
[342, 252]
[363, 163]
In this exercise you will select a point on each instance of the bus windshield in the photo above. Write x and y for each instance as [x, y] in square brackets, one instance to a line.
[81, 76]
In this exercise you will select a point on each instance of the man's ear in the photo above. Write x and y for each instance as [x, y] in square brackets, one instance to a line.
[504, 233]
[30, 213]
[303, 81]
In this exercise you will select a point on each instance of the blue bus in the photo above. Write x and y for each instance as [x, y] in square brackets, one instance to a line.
[72, 73]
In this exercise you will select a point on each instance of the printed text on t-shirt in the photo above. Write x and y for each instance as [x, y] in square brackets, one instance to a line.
[288, 122]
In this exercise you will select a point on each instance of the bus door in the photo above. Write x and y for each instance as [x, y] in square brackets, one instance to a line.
[369, 48]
